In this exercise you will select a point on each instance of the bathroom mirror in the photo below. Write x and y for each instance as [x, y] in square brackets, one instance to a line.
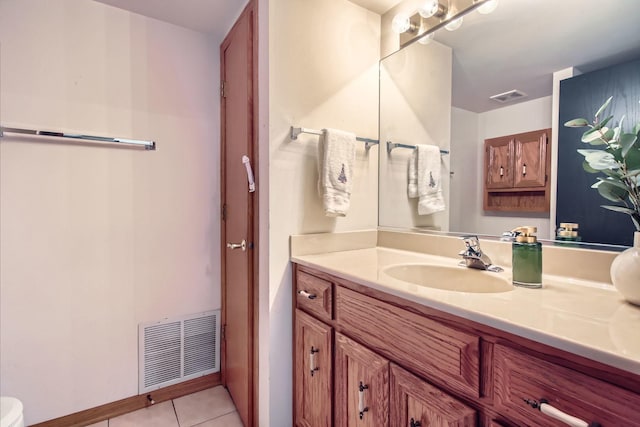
[439, 93]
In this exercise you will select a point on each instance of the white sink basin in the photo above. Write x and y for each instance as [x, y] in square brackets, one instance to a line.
[457, 279]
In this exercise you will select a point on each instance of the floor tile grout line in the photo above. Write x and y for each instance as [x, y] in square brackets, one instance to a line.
[175, 412]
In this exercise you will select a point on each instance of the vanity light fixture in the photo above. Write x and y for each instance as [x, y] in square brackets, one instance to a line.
[488, 7]
[454, 25]
[432, 8]
[427, 38]
[432, 15]
[402, 24]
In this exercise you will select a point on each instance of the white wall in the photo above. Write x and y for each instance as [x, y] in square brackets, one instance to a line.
[95, 240]
[523, 117]
[465, 171]
[323, 72]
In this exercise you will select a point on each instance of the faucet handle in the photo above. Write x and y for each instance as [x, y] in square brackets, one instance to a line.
[473, 245]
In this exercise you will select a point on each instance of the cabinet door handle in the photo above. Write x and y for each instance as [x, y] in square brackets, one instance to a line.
[306, 294]
[361, 408]
[501, 171]
[544, 407]
[414, 423]
[524, 170]
[242, 245]
[312, 360]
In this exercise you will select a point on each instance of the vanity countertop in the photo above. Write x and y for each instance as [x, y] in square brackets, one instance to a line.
[589, 319]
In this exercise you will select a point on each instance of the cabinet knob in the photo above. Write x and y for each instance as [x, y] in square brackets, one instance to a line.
[524, 170]
[501, 171]
[414, 423]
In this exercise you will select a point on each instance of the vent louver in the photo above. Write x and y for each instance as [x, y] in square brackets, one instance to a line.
[176, 350]
[509, 96]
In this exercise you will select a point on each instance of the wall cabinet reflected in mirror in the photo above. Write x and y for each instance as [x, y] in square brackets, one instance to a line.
[516, 172]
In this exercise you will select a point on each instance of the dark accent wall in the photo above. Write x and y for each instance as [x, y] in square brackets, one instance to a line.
[581, 96]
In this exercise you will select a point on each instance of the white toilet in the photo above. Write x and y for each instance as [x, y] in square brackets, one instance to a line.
[11, 412]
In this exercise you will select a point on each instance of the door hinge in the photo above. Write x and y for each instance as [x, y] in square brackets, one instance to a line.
[222, 91]
[224, 212]
[223, 330]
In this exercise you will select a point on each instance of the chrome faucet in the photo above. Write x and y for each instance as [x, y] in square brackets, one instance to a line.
[473, 257]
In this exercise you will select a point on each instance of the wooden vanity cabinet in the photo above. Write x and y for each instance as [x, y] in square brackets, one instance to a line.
[421, 367]
[517, 171]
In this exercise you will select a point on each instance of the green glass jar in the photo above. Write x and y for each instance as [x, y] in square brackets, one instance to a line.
[527, 258]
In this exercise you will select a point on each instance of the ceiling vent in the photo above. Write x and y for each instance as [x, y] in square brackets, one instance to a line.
[509, 96]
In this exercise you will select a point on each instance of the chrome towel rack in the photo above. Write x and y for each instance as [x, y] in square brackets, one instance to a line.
[148, 145]
[392, 145]
[295, 131]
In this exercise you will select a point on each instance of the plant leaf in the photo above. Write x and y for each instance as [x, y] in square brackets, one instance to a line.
[586, 167]
[619, 209]
[611, 192]
[600, 159]
[605, 105]
[636, 128]
[603, 123]
[577, 123]
[626, 142]
[613, 182]
[597, 136]
[632, 159]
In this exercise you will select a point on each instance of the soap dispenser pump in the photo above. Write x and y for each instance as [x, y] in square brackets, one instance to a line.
[526, 258]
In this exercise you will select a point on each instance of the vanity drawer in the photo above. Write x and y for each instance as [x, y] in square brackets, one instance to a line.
[518, 376]
[445, 355]
[314, 295]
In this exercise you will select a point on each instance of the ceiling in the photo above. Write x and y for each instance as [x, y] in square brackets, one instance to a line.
[518, 46]
[214, 17]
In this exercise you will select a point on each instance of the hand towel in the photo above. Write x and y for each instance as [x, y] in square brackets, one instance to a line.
[425, 179]
[336, 156]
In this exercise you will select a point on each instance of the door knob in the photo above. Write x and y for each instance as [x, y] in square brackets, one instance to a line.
[242, 245]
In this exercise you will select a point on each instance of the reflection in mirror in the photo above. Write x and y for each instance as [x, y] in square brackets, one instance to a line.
[439, 94]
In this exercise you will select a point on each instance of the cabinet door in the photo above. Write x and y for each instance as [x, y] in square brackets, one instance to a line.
[313, 373]
[362, 386]
[499, 162]
[531, 159]
[415, 402]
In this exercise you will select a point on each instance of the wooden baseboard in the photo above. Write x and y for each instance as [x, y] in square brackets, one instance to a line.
[133, 403]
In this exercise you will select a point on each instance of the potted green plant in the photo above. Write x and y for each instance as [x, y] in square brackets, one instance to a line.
[616, 156]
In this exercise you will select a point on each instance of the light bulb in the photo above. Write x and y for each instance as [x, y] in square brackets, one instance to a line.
[426, 39]
[454, 25]
[488, 7]
[429, 8]
[400, 23]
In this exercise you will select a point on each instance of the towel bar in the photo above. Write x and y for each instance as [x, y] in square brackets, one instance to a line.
[295, 131]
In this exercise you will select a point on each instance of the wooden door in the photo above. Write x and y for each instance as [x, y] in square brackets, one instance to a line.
[238, 227]
[313, 372]
[530, 168]
[361, 385]
[499, 162]
[416, 403]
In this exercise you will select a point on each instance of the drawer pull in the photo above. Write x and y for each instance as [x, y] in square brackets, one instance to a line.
[544, 407]
[312, 360]
[414, 423]
[306, 294]
[361, 408]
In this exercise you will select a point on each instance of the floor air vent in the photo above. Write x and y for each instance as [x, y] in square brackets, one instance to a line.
[176, 350]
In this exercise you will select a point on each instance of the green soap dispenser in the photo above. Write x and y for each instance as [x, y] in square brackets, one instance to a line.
[527, 258]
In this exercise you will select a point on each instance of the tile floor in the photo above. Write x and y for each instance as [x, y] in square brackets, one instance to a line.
[208, 408]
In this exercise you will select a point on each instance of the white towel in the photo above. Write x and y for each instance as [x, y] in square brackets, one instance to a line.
[425, 179]
[336, 155]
